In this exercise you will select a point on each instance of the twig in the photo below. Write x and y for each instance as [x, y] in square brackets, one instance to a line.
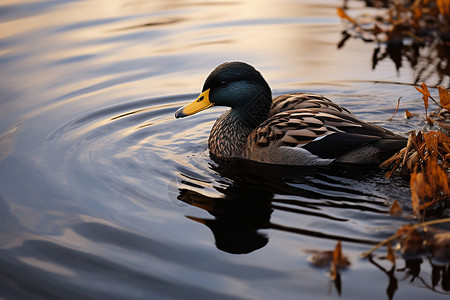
[398, 105]
[397, 235]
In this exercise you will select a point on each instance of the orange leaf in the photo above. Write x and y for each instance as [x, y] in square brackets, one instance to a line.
[444, 7]
[338, 258]
[431, 140]
[444, 97]
[408, 114]
[321, 258]
[395, 209]
[417, 190]
[417, 13]
[337, 254]
[390, 254]
[425, 88]
[425, 95]
[341, 13]
[376, 30]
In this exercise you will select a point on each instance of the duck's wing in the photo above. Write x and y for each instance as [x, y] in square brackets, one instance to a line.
[324, 132]
[293, 101]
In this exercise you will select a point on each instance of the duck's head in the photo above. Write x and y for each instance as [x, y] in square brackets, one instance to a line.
[237, 85]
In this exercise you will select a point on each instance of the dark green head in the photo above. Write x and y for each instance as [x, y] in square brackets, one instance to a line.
[234, 84]
[237, 85]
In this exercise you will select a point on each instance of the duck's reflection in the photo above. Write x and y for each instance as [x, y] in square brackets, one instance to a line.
[247, 201]
[236, 223]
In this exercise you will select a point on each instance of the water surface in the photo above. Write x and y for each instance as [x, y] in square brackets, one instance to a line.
[105, 195]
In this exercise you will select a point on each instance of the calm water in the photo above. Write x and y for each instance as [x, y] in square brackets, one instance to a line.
[103, 194]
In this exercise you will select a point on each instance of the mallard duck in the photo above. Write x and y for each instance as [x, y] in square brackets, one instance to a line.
[291, 129]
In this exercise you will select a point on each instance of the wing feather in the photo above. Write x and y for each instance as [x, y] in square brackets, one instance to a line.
[316, 124]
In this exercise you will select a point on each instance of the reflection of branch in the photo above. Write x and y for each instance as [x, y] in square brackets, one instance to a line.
[393, 282]
[416, 274]
[320, 234]
[430, 287]
[412, 270]
[412, 32]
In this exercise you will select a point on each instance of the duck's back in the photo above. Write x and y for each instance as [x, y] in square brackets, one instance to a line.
[308, 129]
[294, 101]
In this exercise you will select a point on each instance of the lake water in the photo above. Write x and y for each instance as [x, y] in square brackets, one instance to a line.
[105, 195]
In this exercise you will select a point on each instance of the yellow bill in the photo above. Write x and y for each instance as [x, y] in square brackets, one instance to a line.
[202, 102]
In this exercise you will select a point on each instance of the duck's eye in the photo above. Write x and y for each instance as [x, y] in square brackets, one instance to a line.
[223, 82]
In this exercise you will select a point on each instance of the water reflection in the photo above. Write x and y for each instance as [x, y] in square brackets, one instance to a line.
[439, 281]
[254, 191]
[249, 194]
[435, 59]
[416, 33]
[87, 140]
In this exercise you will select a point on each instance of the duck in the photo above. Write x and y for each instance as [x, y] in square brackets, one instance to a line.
[292, 129]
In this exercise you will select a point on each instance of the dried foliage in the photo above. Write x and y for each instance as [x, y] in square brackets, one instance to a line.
[417, 241]
[335, 259]
[429, 187]
[422, 148]
[395, 209]
[415, 30]
[426, 159]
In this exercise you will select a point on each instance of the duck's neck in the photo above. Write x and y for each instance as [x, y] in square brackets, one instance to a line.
[229, 134]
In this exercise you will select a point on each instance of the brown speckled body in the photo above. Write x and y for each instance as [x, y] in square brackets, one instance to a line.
[228, 136]
[295, 124]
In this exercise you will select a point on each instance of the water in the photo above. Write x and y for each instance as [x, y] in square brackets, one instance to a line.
[105, 195]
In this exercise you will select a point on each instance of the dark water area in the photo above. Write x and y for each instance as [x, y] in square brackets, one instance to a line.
[105, 195]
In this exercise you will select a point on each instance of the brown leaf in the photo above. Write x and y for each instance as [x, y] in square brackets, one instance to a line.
[432, 185]
[408, 114]
[409, 146]
[425, 89]
[321, 258]
[392, 159]
[338, 258]
[396, 208]
[417, 13]
[390, 254]
[444, 97]
[436, 241]
[341, 13]
[339, 261]
[337, 253]
[376, 29]
[412, 243]
[444, 7]
[417, 190]
[425, 94]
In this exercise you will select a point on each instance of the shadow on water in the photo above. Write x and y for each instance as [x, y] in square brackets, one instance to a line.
[256, 190]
